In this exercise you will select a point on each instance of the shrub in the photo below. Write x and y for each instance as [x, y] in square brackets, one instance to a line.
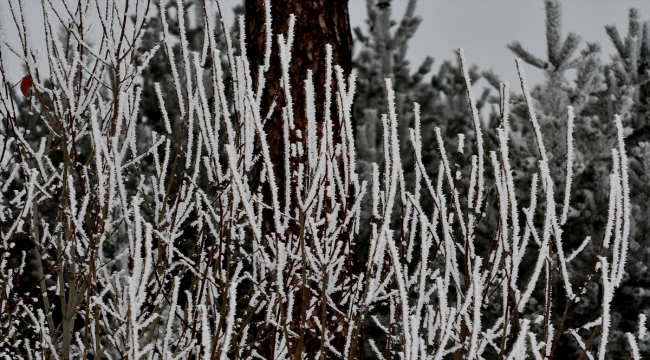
[115, 243]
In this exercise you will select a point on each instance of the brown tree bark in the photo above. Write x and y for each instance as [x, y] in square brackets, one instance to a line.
[318, 23]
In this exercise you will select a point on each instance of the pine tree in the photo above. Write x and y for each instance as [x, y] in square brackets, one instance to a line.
[598, 93]
[628, 77]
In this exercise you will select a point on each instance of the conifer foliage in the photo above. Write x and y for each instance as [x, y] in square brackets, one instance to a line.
[599, 92]
[121, 239]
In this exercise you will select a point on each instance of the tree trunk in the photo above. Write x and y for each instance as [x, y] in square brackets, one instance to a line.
[318, 23]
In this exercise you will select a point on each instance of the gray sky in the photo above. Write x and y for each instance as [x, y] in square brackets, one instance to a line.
[482, 27]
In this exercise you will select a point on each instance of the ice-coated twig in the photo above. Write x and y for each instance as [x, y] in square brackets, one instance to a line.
[607, 298]
[569, 164]
[579, 249]
[531, 111]
[643, 331]
[633, 345]
[476, 121]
